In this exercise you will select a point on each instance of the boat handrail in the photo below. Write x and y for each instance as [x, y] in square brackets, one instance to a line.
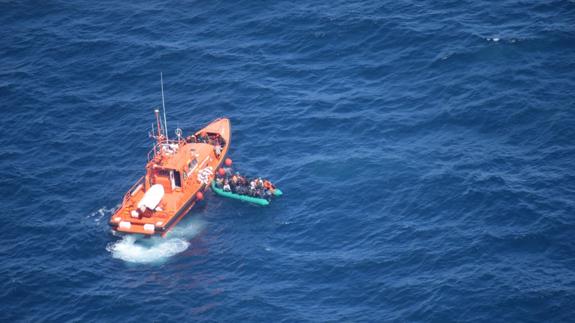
[157, 149]
[133, 189]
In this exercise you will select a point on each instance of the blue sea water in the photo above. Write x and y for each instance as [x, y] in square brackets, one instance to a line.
[425, 150]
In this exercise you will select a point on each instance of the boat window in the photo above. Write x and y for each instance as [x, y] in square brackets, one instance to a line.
[191, 166]
[177, 179]
[172, 180]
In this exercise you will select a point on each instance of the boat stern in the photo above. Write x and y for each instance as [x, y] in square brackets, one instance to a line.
[122, 224]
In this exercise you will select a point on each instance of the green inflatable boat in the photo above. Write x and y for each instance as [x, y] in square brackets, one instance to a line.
[251, 199]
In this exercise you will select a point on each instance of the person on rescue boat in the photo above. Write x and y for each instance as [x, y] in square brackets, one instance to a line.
[202, 137]
[218, 150]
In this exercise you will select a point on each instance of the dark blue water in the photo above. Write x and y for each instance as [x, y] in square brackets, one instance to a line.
[425, 151]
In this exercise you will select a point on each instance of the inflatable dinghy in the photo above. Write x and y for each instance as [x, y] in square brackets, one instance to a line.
[245, 198]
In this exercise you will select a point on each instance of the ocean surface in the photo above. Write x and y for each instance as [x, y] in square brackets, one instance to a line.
[425, 151]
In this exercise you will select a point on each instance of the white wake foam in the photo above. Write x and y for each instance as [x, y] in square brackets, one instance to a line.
[138, 249]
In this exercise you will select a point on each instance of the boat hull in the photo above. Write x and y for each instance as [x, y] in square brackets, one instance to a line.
[177, 201]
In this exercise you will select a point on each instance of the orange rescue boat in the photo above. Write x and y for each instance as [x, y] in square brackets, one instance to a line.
[177, 172]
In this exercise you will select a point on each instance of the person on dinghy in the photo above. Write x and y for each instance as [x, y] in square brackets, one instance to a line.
[219, 182]
[269, 186]
[227, 187]
[234, 180]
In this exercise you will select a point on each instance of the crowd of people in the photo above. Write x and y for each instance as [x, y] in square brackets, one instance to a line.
[213, 139]
[229, 181]
[238, 184]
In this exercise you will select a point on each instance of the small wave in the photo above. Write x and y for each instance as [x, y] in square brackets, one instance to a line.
[137, 249]
[506, 40]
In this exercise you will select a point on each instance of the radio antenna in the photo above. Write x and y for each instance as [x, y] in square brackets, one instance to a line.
[164, 106]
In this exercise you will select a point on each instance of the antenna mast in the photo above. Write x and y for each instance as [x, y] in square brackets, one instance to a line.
[164, 106]
[158, 120]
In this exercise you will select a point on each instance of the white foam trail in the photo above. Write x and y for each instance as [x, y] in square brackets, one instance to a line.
[129, 250]
[137, 249]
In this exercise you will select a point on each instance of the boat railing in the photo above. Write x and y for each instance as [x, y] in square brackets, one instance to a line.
[132, 191]
[157, 149]
[167, 146]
